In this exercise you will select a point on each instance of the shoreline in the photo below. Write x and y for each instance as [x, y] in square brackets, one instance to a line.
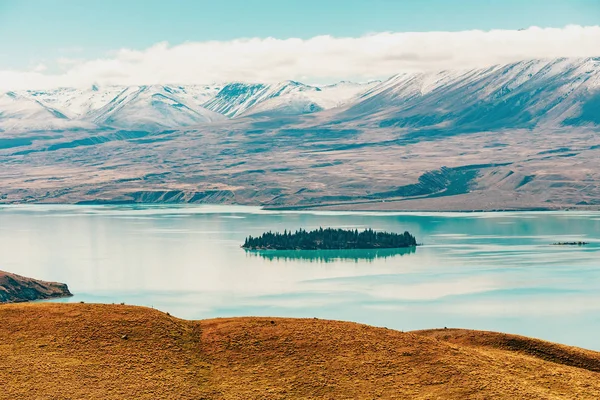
[20, 289]
[311, 208]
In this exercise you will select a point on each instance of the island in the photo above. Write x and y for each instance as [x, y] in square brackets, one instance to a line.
[330, 239]
[15, 289]
[570, 243]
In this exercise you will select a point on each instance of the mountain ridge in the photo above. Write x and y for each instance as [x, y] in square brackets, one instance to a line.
[157, 107]
[514, 95]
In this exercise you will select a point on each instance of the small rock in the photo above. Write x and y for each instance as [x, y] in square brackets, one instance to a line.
[124, 337]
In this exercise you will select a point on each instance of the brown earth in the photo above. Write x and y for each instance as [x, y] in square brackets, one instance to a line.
[15, 288]
[77, 351]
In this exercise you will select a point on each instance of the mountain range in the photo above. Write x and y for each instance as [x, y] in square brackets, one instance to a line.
[156, 107]
[512, 136]
[523, 94]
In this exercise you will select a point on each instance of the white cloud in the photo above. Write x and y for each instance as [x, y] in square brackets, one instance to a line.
[319, 59]
[40, 68]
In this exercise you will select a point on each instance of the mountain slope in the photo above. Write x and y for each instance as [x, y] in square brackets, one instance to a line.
[19, 113]
[152, 107]
[15, 288]
[235, 98]
[284, 98]
[518, 95]
[76, 103]
[117, 351]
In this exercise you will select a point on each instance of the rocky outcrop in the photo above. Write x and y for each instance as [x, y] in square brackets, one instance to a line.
[15, 288]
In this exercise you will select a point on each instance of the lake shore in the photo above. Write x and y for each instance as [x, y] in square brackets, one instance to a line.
[103, 251]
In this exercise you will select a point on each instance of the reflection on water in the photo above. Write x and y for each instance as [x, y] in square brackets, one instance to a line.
[491, 271]
[328, 256]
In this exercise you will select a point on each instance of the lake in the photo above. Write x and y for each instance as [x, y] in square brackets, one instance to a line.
[490, 271]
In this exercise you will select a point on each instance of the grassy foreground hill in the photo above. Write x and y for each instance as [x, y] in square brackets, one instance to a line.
[75, 351]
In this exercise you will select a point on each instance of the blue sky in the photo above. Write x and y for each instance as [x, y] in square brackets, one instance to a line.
[50, 43]
[33, 31]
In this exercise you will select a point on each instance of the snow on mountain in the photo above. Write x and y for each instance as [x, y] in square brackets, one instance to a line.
[235, 98]
[76, 103]
[158, 106]
[152, 107]
[522, 94]
[284, 98]
[80, 103]
[19, 113]
[198, 94]
[293, 98]
[336, 95]
[516, 95]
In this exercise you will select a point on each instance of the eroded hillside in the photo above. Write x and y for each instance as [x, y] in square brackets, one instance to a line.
[15, 288]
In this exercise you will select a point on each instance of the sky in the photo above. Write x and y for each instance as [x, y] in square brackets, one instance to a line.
[76, 42]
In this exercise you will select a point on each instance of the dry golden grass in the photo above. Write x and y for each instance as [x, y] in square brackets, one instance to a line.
[81, 351]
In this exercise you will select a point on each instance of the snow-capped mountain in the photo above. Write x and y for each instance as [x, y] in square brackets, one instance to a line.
[82, 103]
[516, 95]
[197, 94]
[294, 98]
[284, 98]
[169, 106]
[152, 107]
[236, 98]
[76, 103]
[20, 113]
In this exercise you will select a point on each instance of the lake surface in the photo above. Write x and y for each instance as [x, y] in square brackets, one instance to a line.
[492, 271]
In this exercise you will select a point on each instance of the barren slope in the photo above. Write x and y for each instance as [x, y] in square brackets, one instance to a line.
[71, 351]
[15, 288]
[556, 353]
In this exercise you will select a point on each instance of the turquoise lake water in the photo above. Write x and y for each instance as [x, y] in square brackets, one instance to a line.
[491, 271]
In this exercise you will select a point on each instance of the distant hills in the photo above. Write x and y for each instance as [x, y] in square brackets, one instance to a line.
[523, 135]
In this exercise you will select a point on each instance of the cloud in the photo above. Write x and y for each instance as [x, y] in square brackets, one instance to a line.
[40, 68]
[318, 59]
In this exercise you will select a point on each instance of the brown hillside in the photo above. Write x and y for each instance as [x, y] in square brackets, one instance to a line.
[556, 353]
[15, 288]
[74, 351]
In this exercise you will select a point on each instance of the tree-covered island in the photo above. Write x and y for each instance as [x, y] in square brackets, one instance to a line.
[329, 239]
